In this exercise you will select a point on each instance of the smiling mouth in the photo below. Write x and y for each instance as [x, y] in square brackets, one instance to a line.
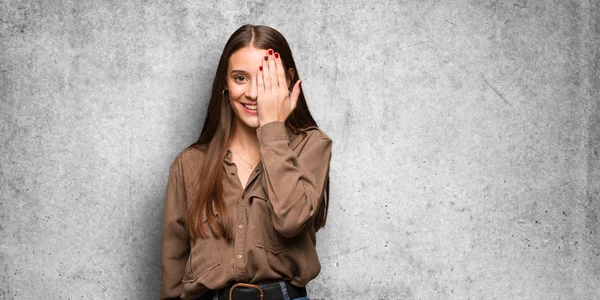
[250, 106]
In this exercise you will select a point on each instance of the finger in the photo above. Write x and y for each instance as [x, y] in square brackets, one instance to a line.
[295, 94]
[273, 72]
[260, 84]
[280, 71]
[265, 74]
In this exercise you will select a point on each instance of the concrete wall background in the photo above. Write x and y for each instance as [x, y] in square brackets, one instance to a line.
[466, 138]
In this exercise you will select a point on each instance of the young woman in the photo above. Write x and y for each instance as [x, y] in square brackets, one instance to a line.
[244, 202]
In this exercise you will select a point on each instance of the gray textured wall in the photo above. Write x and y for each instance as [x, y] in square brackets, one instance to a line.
[466, 138]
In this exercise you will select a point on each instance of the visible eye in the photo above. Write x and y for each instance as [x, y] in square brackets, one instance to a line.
[239, 78]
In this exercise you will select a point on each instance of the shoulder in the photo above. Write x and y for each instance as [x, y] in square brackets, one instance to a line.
[313, 134]
[188, 159]
[309, 137]
[319, 134]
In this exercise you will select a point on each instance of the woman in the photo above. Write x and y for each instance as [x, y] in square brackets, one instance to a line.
[244, 202]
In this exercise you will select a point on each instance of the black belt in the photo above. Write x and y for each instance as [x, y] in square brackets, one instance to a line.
[245, 291]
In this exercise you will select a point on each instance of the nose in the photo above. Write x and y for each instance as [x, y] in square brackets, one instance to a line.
[252, 91]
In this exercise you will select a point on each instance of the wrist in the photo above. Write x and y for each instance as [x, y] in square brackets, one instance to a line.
[272, 131]
[264, 121]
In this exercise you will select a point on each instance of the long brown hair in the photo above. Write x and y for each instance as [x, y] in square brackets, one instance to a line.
[218, 125]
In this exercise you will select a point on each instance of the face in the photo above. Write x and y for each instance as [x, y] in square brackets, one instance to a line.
[242, 68]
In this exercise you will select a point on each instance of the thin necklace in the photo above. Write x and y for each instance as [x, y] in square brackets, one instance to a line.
[249, 164]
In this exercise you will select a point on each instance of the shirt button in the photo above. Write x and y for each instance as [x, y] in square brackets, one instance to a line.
[240, 226]
[239, 256]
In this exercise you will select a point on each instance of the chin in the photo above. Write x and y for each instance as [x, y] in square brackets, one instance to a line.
[244, 119]
[247, 122]
[251, 124]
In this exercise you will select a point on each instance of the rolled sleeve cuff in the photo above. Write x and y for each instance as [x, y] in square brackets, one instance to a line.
[272, 131]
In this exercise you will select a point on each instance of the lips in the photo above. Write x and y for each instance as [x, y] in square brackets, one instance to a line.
[250, 109]
[250, 106]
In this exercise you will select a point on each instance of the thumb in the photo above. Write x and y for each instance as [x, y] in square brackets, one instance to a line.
[295, 94]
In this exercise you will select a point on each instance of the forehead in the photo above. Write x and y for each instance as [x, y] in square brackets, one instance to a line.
[247, 58]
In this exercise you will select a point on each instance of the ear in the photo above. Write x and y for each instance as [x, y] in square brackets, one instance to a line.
[291, 73]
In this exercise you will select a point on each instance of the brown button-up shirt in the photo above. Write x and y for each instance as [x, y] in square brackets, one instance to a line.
[273, 215]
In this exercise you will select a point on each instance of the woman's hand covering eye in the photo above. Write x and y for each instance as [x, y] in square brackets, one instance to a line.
[274, 100]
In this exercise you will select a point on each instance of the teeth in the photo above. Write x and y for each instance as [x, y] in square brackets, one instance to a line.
[248, 106]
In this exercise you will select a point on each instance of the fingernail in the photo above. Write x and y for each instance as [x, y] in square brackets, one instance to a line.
[300, 84]
[260, 68]
[270, 52]
[276, 55]
[266, 57]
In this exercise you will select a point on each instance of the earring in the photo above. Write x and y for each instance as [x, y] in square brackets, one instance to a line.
[223, 93]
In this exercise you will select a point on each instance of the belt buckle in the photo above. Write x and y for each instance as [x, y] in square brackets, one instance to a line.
[246, 285]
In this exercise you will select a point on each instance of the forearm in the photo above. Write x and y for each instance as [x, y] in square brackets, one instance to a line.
[294, 181]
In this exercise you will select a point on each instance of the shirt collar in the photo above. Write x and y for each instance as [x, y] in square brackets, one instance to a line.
[228, 155]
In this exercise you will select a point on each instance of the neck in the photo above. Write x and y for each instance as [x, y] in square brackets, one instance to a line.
[244, 139]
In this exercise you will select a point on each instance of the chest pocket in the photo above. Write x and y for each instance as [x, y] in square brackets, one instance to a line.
[264, 234]
[204, 256]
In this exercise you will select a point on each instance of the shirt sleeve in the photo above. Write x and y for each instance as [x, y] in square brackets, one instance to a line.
[175, 246]
[294, 183]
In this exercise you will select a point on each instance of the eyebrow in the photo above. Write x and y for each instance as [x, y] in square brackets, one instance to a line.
[238, 71]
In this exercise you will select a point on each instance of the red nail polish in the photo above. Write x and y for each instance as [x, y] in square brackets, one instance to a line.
[276, 55]
[266, 57]
[270, 52]
[300, 84]
[260, 68]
